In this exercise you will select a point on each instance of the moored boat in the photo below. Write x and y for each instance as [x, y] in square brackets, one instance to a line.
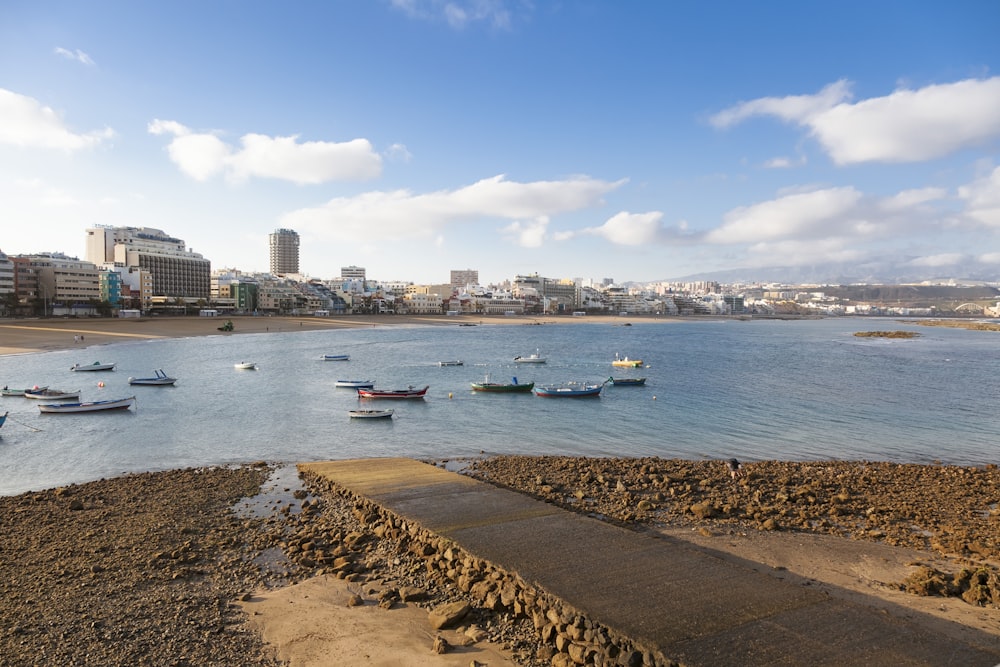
[52, 394]
[409, 392]
[88, 406]
[336, 357]
[7, 391]
[246, 366]
[569, 390]
[3, 418]
[355, 384]
[159, 379]
[625, 362]
[96, 366]
[454, 362]
[370, 414]
[627, 382]
[513, 387]
[535, 358]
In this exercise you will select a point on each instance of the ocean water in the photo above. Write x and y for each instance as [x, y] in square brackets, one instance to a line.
[756, 390]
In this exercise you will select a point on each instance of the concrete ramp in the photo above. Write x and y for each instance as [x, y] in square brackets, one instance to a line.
[666, 595]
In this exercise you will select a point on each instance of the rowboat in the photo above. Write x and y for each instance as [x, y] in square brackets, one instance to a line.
[370, 414]
[52, 394]
[535, 358]
[89, 406]
[335, 357]
[246, 366]
[512, 387]
[355, 384]
[159, 378]
[569, 390]
[96, 366]
[625, 362]
[456, 362]
[409, 392]
[6, 391]
[627, 382]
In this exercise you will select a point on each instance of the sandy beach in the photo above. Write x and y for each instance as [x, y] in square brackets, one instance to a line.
[156, 569]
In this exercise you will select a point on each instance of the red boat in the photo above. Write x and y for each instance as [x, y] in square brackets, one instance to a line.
[409, 392]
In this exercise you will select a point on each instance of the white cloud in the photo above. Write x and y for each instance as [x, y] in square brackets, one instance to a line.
[626, 229]
[942, 259]
[910, 198]
[905, 126]
[458, 13]
[806, 214]
[398, 153]
[401, 214]
[26, 123]
[203, 155]
[794, 252]
[982, 199]
[76, 55]
[989, 258]
[527, 234]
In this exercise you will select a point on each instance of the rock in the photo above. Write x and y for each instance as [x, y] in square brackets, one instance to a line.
[448, 614]
[441, 645]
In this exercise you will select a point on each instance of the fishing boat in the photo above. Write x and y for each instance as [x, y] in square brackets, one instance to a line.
[409, 392]
[569, 390]
[52, 394]
[512, 387]
[627, 382]
[455, 362]
[88, 406]
[336, 357]
[370, 414]
[535, 358]
[625, 362]
[355, 384]
[7, 391]
[96, 366]
[159, 379]
[246, 366]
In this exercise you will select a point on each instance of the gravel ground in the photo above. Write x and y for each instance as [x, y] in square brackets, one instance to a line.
[147, 569]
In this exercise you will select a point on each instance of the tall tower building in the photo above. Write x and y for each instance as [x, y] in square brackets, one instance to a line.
[284, 252]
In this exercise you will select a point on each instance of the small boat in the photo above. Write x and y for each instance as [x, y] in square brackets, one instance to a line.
[625, 362]
[89, 406]
[409, 392]
[355, 384]
[370, 414]
[96, 366]
[7, 391]
[159, 378]
[3, 418]
[569, 390]
[52, 394]
[456, 362]
[336, 357]
[512, 387]
[627, 382]
[246, 366]
[535, 358]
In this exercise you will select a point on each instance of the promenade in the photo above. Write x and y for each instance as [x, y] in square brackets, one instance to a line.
[686, 603]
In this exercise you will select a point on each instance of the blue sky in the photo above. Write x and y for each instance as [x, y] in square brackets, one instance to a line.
[630, 140]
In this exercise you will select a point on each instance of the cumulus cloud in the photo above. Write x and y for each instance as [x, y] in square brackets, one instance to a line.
[806, 214]
[625, 228]
[982, 199]
[904, 126]
[910, 198]
[203, 155]
[527, 233]
[27, 123]
[76, 55]
[401, 214]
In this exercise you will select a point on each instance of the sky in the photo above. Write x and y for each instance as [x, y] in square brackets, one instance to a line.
[636, 141]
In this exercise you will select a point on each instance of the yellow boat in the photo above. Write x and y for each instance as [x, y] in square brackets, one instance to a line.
[625, 362]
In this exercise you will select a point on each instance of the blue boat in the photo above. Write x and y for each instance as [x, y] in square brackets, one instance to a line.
[335, 357]
[569, 390]
[3, 418]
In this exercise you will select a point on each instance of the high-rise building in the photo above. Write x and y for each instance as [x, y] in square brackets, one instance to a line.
[464, 278]
[284, 252]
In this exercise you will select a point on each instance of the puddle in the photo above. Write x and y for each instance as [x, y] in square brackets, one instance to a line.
[277, 493]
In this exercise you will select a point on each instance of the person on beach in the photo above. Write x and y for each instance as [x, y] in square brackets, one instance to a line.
[735, 468]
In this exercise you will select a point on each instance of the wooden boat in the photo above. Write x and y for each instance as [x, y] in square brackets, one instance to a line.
[336, 357]
[355, 384]
[246, 366]
[535, 358]
[627, 382]
[409, 392]
[569, 390]
[7, 391]
[625, 362]
[96, 366]
[52, 394]
[456, 362]
[89, 406]
[159, 378]
[512, 387]
[370, 414]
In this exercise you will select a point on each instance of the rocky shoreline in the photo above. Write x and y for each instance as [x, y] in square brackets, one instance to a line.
[151, 568]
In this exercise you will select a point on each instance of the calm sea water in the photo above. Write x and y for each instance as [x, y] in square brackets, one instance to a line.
[756, 390]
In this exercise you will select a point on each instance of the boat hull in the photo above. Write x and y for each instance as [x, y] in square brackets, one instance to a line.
[355, 384]
[498, 388]
[370, 414]
[336, 357]
[91, 406]
[569, 391]
[52, 395]
[393, 393]
[96, 366]
[246, 366]
[628, 382]
[159, 379]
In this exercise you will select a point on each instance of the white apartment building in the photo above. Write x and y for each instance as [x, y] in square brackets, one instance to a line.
[176, 271]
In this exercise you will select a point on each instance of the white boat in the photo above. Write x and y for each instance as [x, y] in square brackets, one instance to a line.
[96, 366]
[535, 358]
[159, 378]
[370, 414]
[355, 384]
[456, 362]
[246, 366]
[89, 406]
[52, 394]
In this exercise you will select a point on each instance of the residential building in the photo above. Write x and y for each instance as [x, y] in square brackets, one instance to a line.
[284, 244]
[462, 278]
[352, 273]
[6, 274]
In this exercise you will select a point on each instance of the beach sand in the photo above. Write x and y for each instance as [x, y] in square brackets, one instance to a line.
[119, 570]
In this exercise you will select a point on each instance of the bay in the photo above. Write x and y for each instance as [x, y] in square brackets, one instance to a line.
[756, 390]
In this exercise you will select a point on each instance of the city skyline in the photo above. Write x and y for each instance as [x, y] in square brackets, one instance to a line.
[643, 142]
